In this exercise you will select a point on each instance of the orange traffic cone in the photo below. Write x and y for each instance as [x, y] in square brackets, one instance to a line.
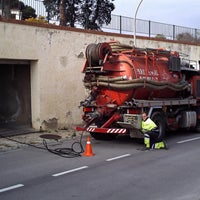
[88, 151]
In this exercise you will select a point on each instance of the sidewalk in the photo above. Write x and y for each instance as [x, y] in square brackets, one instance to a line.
[19, 141]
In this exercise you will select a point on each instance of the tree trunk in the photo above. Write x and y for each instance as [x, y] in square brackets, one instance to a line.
[63, 19]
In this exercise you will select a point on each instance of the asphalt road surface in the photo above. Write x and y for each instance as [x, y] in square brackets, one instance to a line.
[117, 171]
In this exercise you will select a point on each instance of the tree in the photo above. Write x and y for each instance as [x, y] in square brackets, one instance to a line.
[72, 12]
[91, 14]
[65, 10]
[27, 11]
[160, 36]
[96, 13]
[63, 17]
[187, 37]
[52, 7]
[16, 4]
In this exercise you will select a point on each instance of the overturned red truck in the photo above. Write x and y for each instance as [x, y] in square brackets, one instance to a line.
[124, 81]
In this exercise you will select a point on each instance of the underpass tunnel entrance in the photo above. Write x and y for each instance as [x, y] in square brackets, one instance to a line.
[15, 94]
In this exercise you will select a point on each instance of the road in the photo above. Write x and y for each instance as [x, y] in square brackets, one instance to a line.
[117, 171]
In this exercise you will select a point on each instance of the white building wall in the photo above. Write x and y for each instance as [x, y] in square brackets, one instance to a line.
[57, 57]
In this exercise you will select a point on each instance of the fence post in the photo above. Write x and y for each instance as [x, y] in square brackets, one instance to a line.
[195, 35]
[149, 28]
[120, 24]
[174, 32]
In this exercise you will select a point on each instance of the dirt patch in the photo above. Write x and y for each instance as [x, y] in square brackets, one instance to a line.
[15, 142]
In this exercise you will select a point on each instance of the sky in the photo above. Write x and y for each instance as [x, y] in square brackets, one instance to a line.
[177, 12]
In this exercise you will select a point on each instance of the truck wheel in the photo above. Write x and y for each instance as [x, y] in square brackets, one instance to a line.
[102, 136]
[197, 128]
[158, 118]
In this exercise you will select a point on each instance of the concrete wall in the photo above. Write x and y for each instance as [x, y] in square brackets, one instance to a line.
[56, 57]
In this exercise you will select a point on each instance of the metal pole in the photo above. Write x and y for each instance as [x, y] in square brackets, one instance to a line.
[135, 22]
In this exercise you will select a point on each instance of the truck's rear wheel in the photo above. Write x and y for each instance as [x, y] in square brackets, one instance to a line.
[158, 118]
[197, 128]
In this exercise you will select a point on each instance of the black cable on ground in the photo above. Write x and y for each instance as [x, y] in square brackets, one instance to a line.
[63, 152]
[66, 152]
[17, 141]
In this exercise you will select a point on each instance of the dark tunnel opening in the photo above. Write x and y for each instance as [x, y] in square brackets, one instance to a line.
[15, 96]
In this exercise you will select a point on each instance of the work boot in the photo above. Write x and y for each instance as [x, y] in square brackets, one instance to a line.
[160, 145]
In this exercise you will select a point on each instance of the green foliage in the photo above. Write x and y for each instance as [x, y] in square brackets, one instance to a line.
[52, 7]
[161, 36]
[91, 14]
[65, 10]
[96, 13]
[187, 37]
[28, 12]
[16, 4]
[39, 19]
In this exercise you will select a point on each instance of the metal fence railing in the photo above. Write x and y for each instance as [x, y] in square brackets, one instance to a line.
[125, 25]
[152, 29]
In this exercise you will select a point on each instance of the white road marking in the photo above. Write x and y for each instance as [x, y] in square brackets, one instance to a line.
[11, 187]
[118, 157]
[70, 171]
[189, 140]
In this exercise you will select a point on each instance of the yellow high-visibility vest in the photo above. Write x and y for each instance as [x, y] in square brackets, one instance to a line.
[148, 125]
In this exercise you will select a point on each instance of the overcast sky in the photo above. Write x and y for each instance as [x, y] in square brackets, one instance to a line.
[177, 12]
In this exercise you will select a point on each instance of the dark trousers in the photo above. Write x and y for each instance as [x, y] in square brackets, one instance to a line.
[151, 137]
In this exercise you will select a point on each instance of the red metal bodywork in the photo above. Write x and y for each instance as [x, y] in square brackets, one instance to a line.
[123, 75]
[137, 68]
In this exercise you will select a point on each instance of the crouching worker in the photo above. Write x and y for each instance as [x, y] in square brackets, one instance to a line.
[151, 134]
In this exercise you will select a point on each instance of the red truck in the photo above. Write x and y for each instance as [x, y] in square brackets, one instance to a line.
[123, 81]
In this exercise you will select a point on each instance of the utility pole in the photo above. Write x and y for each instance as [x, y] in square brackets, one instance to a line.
[135, 22]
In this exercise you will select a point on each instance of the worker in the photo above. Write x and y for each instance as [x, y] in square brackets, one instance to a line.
[151, 134]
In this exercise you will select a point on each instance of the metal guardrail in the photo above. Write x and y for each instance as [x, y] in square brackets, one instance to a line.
[125, 25]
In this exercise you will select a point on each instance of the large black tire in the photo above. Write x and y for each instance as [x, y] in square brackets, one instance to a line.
[159, 119]
[197, 128]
